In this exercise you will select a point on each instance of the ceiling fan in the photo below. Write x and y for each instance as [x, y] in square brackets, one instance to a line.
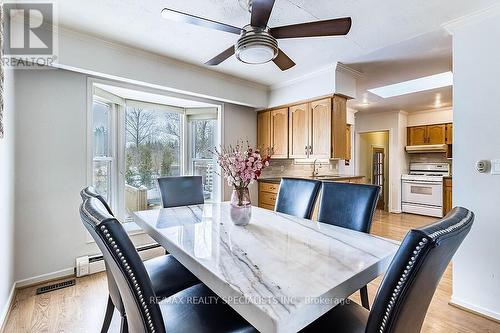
[258, 43]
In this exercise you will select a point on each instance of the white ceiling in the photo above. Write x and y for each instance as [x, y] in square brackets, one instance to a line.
[422, 56]
[376, 25]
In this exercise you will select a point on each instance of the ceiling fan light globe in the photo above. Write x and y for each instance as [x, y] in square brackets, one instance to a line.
[256, 54]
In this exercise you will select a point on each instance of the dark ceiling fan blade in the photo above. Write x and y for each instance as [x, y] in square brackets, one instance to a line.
[335, 27]
[174, 15]
[261, 11]
[283, 61]
[221, 57]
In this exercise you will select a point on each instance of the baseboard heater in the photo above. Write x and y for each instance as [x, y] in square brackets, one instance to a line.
[91, 264]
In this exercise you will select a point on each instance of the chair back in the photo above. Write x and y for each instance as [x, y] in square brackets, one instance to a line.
[114, 293]
[347, 205]
[412, 278]
[91, 192]
[142, 312]
[181, 191]
[297, 196]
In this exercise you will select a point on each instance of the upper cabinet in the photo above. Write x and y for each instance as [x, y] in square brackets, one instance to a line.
[339, 128]
[429, 135]
[417, 135]
[321, 131]
[348, 140]
[299, 124]
[311, 130]
[272, 131]
[279, 132]
[264, 130]
[449, 134]
[436, 134]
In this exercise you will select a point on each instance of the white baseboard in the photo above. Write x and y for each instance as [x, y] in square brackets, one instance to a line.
[6, 308]
[475, 309]
[45, 277]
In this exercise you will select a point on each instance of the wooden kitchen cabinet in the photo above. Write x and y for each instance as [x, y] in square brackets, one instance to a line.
[428, 135]
[268, 193]
[348, 140]
[449, 134]
[279, 132]
[264, 129]
[298, 136]
[417, 135]
[447, 195]
[321, 131]
[436, 134]
[339, 127]
[314, 129]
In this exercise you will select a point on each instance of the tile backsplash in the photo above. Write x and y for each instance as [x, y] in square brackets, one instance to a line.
[279, 168]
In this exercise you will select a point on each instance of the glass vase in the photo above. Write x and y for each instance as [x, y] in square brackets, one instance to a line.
[240, 197]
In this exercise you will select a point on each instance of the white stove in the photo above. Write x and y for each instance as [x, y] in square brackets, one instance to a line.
[422, 188]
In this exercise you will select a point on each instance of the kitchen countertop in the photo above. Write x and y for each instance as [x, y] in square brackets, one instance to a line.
[277, 180]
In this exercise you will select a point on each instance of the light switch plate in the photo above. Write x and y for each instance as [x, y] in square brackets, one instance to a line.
[495, 167]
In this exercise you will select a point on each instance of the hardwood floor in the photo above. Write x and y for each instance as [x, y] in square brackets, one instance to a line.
[80, 309]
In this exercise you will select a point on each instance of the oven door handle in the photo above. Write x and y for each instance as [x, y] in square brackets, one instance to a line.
[422, 182]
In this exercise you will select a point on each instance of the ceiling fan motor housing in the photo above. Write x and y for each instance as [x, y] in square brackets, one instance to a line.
[256, 46]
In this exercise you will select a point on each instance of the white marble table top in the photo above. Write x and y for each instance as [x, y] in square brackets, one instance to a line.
[279, 272]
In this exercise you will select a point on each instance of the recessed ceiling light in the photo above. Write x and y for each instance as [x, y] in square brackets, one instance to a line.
[412, 86]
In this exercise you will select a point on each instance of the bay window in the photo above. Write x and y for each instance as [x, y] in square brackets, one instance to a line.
[135, 142]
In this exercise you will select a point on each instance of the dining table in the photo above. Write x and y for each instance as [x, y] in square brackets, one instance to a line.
[279, 272]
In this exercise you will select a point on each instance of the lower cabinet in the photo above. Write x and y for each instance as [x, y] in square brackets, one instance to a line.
[268, 192]
[447, 195]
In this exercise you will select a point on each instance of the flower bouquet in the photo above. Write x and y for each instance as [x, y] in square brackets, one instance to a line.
[242, 165]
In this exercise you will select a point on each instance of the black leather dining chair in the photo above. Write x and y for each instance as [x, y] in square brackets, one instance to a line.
[145, 312]
[168, 276]
[408, 286]
[297, 197]
[181, 191]
[349, 206]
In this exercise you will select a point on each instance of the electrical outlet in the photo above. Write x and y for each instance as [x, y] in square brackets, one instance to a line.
[282, 168]
[82, 266]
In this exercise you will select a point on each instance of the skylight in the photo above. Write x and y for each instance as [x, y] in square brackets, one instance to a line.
[412, 86]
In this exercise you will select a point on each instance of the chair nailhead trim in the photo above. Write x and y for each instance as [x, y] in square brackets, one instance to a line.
[131, 276]
[452, 227]
[416, 252]
[400, 284]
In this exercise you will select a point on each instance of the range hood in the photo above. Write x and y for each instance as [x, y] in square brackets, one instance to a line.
[427, 149]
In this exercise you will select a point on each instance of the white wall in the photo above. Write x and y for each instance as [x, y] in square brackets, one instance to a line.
[476, 101]
[50, 170]
[7, 196]
[429, 117]
[94, 56]
[395, 122]
[240, 123]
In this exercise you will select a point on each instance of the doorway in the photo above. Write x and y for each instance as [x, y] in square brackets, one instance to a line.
[378, 176]
[374, 162]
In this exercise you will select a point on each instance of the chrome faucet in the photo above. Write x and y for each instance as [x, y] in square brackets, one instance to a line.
[315, 171]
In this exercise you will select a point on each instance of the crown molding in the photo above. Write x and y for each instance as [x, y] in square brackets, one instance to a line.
[472, 18]
[346, 69]
[305, 77]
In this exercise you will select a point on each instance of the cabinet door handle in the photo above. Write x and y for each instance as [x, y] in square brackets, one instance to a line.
[307, 151]
[310, 150]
